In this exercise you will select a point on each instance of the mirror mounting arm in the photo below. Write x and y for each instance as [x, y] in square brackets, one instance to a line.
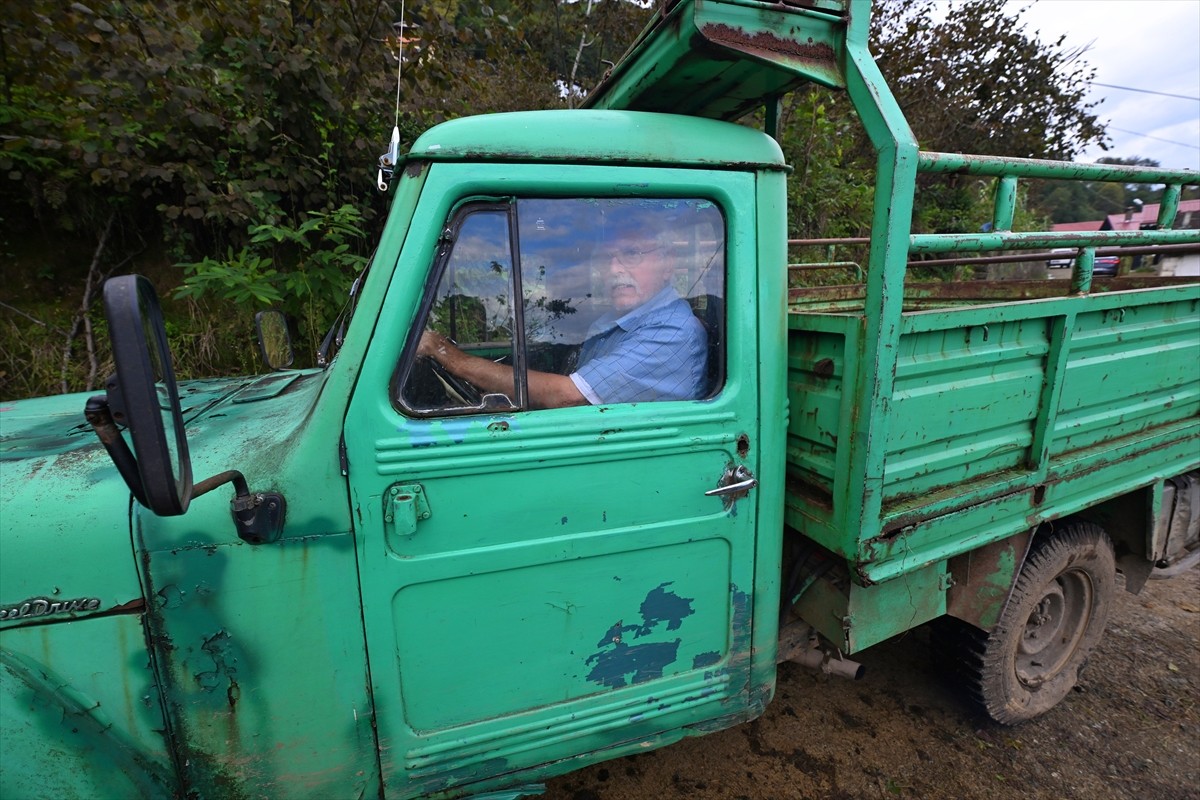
[100, 416]
[258, 516]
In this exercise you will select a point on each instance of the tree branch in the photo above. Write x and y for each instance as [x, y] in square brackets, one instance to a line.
[583, 44]
[81, 316]
[34, 320]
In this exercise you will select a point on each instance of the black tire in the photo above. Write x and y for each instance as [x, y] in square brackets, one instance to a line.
[1054, 618]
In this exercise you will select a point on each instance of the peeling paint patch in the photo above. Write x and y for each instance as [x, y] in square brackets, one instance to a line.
[170, 596]
[456, 429]
[430, 435]
[703, 660]
[661, 605]
[644, 662]
[618, 663]
[436, 780]
[418, 438]
[219, 648]
[742, 629]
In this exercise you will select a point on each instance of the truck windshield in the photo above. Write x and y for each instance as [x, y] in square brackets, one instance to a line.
[337, 332]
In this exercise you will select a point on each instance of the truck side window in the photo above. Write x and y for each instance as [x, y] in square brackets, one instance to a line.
[472, 306]
[622, 296]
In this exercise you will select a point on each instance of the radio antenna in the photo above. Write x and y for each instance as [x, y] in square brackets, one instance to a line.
[387, 161]
[399, 66]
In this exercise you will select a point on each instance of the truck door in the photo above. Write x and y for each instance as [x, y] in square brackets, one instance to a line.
[545, 583]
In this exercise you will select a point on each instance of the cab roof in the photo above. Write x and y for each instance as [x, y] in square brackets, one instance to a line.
[590, 136]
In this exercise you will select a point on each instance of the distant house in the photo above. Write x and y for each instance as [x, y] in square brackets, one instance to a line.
[1092, 225]
[1136, 219]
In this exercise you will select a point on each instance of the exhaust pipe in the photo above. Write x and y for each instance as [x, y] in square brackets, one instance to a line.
[829, 663]
[800, 644]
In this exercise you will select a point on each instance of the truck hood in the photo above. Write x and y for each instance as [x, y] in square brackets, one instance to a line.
[65, 511]
[246, 423]
[66, 535]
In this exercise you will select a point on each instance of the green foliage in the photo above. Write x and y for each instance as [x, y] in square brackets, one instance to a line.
[242, 276]
[233, 136]
[832, 188]
[1086, 201]
[191, 124]
[972, 78]
[300, 268]
[191, 111]
[241, 138]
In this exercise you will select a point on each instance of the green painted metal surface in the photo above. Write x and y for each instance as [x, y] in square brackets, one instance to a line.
[722, 59]
[854, 616]
[1000, 166]
[262, 665]
[59, 491]
[610, 137]
[259, 650]
[989, 402]
[998, 415]
[80, 716]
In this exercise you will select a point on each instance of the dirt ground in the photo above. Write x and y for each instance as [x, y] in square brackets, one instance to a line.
[1131, 729]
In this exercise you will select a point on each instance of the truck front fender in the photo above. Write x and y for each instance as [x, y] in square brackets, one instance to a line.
[59, 743]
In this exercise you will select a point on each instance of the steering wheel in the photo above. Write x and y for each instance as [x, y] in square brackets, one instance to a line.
[458, 390]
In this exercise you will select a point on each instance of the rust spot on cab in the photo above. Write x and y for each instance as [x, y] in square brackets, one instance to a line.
[769, 43]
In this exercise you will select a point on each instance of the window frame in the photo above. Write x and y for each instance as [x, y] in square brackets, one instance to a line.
[508, 204]
[462, 211]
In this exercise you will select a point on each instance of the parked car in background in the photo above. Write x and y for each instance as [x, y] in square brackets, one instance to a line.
[1064, 258]
[1061, 258]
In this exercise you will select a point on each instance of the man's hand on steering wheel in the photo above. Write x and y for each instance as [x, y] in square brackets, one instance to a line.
[436, 347]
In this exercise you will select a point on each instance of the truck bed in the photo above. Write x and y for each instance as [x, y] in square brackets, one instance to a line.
[1001, 414]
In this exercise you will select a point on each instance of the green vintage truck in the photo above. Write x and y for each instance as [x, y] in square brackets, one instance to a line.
[399, 583]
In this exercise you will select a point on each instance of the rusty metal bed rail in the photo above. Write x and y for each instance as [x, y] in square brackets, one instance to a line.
[1008, 172]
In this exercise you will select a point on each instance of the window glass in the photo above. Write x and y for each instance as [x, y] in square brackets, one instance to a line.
[622, 296]
[472, 307]
[625, 294]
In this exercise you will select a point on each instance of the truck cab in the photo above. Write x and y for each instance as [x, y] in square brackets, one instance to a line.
[466, 584]
[561, 571]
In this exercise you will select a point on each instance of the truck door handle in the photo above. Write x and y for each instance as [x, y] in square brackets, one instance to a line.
[736, 482]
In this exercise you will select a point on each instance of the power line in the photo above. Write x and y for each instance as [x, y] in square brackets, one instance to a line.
[1145, 91]
[1155, 138]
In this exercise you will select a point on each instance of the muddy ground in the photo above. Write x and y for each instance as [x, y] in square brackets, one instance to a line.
[1131, 729]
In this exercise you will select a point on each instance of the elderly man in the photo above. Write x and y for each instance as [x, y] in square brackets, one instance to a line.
[648, 347]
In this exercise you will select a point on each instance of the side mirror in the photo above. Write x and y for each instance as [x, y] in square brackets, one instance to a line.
[144, 397]
[274, 341]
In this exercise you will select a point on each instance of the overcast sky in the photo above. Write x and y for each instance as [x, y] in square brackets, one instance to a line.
[1141, 44]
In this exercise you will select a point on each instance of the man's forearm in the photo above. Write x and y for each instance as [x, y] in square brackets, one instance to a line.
[546, 389]
[483, 373]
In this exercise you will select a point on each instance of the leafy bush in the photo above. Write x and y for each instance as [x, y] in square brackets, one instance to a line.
[316, 260]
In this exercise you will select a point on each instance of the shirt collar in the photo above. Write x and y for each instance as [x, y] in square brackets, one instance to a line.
[606, 322]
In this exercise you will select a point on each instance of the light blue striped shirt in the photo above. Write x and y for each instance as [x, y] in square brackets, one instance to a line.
[657, 351]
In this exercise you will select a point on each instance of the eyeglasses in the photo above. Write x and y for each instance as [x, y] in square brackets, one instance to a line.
[632, 256]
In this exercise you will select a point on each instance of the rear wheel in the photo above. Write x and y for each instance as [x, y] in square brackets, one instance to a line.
[1054, 617]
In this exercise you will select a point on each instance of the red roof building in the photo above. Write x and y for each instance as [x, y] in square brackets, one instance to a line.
[1188, 216]
[1136, 219]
